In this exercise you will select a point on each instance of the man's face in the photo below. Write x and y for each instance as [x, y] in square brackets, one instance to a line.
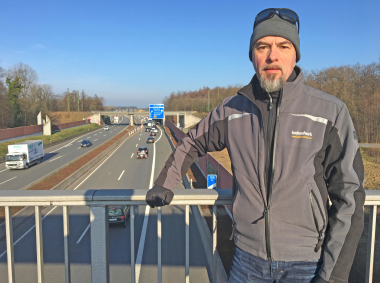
[273, 58]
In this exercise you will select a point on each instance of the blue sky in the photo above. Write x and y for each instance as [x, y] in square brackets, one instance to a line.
[138, 52]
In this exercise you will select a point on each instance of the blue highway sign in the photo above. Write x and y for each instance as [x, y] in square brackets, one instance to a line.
[211, 181]
[156, 111]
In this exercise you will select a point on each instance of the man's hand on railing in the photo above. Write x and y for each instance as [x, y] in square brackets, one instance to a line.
[158, 196]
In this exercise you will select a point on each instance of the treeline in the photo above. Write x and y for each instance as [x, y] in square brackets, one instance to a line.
[202, 100]
[358, 86]
[22, 98]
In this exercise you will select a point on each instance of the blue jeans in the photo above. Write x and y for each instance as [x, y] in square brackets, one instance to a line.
[249, 268]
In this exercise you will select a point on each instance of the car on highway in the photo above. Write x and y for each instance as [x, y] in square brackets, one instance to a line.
[147, 129]
[150, 140]
[142, 152]
[85, 143]
[106, 128]
[154, 130]
[118, 214]
[153, 134]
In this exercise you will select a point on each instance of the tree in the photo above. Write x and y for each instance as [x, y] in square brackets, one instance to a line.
[27, 76]
[14, 90]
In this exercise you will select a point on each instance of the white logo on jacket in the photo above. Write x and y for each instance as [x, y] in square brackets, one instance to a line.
[302, 135]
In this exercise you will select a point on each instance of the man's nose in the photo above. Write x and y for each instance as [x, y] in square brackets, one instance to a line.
[273, 54]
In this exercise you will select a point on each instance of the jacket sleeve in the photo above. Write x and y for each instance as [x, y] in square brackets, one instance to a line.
[344, 175]
[209, 135]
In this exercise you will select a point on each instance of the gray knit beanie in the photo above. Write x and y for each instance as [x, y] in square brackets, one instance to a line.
[276, 26]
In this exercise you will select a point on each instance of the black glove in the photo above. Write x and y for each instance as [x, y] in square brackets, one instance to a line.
[318, 279]
[158, 196]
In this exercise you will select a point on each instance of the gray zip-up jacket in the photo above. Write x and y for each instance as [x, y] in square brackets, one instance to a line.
[315, 158]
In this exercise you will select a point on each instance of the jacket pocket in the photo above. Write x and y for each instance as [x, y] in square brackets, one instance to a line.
[320, 225]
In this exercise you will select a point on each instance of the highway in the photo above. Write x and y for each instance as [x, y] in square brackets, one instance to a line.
[56, 157]
[120, 170]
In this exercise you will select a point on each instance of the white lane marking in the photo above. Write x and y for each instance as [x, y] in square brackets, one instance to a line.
[121, 175]
[78, 141]
[137, 145]
[100, 165]
[104, 135]
[8, 180]
[95, 134]
[4, 170]
[96, 140]
[88, 137]
[84, 233]
[56, 158]
[140, 250]
[79, 148]
[139, 138]
[132, 155]
[19, 239]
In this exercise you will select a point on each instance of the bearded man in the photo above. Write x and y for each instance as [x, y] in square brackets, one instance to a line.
[292, 148]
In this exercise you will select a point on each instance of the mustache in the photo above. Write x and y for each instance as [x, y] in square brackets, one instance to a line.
[268, 67]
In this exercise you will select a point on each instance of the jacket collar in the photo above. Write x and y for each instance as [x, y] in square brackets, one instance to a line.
[291, 90]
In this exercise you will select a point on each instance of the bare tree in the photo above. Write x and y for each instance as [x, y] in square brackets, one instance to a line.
[27, 76]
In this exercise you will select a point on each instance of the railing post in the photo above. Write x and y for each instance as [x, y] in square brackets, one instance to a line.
[159, 240]
[39, 245]
[10, 253]
[66, 242]
[214, 242]
[187, 244]
[99, 244]
[132, 224]
[371, 244]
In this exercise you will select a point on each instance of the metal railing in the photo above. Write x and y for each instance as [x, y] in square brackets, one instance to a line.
[98, 200]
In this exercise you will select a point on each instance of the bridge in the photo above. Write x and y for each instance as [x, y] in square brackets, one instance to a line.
[184, 118]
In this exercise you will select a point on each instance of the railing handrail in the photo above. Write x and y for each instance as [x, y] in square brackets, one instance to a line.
[132, 196]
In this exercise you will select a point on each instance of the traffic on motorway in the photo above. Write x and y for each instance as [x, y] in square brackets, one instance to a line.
[55, 157]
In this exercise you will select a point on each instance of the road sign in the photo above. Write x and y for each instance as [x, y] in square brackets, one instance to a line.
[156, 111]
[211, 181]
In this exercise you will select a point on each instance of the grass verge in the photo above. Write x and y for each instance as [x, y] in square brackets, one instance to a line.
[49, 139]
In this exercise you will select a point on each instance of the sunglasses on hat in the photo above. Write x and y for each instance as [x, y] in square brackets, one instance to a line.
[285, 14]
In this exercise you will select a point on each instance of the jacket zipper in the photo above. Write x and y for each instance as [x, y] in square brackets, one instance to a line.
[267, 157]
[270, 181]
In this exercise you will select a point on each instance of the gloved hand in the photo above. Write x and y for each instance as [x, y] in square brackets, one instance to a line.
[318, 279]
[158, 196]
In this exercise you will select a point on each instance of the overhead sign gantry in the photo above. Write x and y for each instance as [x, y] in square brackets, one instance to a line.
[156, 111]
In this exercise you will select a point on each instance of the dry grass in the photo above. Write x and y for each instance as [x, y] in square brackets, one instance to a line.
[60, 117]
[224, 158]
[371, 161]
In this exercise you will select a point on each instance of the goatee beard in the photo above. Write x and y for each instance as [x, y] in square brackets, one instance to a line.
[271, 84]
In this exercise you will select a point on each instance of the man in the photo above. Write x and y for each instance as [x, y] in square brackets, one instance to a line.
[292, 148]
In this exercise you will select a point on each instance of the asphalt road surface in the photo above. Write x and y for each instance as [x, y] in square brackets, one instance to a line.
[120, 171]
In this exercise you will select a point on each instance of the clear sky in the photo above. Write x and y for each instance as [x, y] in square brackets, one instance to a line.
[136, 52]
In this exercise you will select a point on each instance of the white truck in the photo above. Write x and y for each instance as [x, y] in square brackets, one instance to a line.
[116, 120]
[150, 122]
[24, 154]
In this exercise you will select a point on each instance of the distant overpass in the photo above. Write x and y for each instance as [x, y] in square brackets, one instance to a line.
[184, 118]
